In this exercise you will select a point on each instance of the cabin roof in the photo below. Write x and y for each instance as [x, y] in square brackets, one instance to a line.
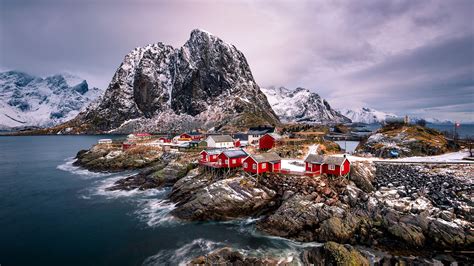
[213, 151]
[274, 136]
[222, 138]
[235, 153]
[320, 159]
[266, 157]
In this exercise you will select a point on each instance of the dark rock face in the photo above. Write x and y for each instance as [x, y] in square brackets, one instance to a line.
[225, 199]
[206, 82]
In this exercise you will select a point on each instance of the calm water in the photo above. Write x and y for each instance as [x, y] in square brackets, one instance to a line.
[52, 213]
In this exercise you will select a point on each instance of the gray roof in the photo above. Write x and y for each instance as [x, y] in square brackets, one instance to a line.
[235, 153]
[222, 138]
[214, 151]
[259, 131]
[314, 158]
[266, 157]
[334, 160]
[320, 159]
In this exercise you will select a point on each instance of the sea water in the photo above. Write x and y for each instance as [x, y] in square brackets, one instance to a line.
[53, 213]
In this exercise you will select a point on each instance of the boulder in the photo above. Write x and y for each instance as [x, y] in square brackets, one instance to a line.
[332, 253]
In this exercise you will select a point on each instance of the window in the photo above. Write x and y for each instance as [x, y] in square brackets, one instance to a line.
[264, 165]
[234, 161]
[226, 161]
[220, 161]
[342, 167]
[331, 167]
[254, 166]
[245, 165]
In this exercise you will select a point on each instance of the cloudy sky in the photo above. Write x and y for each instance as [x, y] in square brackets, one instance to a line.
[407, 57]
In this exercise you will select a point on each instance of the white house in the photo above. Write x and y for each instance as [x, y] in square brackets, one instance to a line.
[220, 141]
[255, 133]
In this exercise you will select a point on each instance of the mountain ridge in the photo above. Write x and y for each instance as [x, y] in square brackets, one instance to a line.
[302, 106]
[31, 101]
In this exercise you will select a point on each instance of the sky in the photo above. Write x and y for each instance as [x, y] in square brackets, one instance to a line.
[403, 56]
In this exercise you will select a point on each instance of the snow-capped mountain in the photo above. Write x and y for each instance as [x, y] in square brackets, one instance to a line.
[366, 115]
[301, 105]
[27, 100]
[206, 83]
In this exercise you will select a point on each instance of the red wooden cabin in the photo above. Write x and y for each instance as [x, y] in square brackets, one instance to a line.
[330, 165]
[209, 156]
[231, 158]
[262, 163]
[268, 141]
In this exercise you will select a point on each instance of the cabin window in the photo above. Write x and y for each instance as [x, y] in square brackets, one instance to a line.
[226, 161]
[264, 165]
[342, 167]
[245, 165]
[234, 161]
[220, 161]
[254, 166]
[331, 167]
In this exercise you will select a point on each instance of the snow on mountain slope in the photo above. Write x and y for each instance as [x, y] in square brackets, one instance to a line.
[301, 105]
[26, 100]
[207, 83]
[366, 115]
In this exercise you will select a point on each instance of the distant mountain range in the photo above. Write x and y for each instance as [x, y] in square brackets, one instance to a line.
[31, 101]
[366, 115]
[302, 106]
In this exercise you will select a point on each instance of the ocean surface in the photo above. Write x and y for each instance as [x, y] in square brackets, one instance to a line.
[52, 213]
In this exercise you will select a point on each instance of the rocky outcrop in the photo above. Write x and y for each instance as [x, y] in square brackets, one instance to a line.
[225, 199]
[161, 174]
[111, 158]
[207, 83]
[228, 256]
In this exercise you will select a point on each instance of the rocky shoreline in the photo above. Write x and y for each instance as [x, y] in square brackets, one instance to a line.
[404, 210]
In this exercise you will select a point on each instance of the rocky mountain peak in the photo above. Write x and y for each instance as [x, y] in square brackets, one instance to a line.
[206, 82]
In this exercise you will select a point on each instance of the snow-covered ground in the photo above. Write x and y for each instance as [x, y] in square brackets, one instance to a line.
[293, 165]
[447, 158]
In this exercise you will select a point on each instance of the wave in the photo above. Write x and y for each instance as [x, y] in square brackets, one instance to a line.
[68, 166]
[156, 212]
[183, 254]
[102, 189]
[199, 247]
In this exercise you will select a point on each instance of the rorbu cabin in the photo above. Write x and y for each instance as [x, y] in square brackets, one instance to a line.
[220, 141]
[231, 158]
[209, 156]
[268, 141]
[330, 165]
[313, 163]
[262, 163]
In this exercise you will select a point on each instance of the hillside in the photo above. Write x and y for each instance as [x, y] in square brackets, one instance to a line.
[366, 115]
[407, 140]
